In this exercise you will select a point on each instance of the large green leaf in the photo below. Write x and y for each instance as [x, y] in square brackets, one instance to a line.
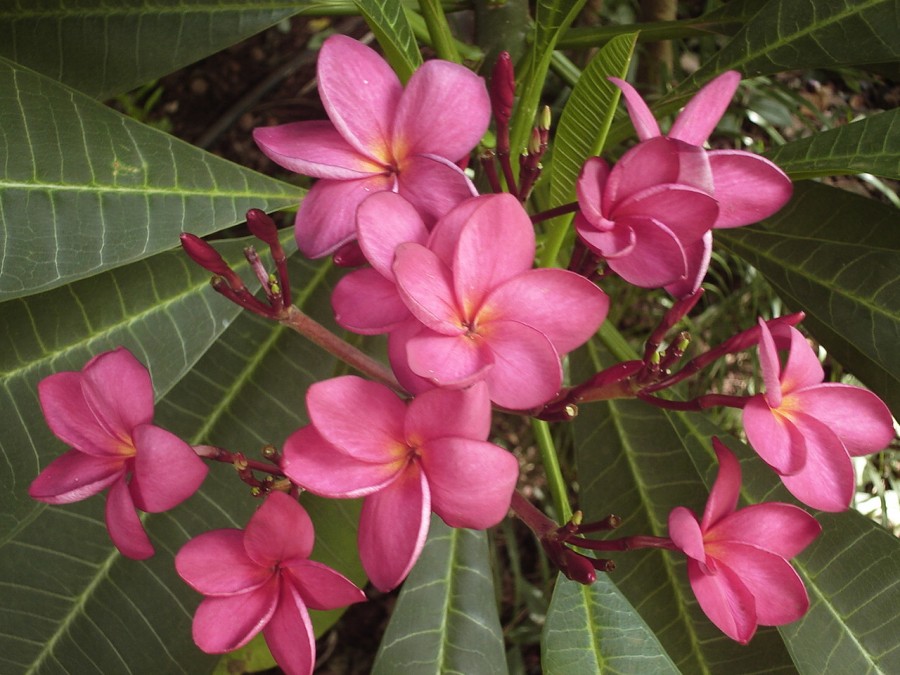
[103, 49]
[84, 189]
[835, 256]
[389, 23]
[445, 620]
[871, 145]
[594, 629]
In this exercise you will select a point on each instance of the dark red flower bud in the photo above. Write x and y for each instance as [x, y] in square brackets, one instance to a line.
[503, 88]
[262, 226]
[204, 255]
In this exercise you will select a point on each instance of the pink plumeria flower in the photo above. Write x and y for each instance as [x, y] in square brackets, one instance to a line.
[261, 579]
[406, 460]
[483, 312]
[380, 137]
[105, 412]
[738, 559]
[747, 187]
[807, 430]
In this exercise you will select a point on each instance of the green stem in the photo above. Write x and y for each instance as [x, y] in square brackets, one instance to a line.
[439, 29]
[555, 481]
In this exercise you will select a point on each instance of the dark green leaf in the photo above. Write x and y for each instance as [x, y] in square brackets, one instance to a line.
[388, 21]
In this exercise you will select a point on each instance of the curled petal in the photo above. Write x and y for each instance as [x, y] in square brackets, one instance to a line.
[725, 600]
[589, 188]
[774, 437]
[289, 633]
[223, 624]
[616, 241]
[688, 212]
[366, 303]
[321, 587]
[216, 563]
[643, 120]
[434, 186]
[74, 476]
[124, 525]
[654, 162]
[684, 530]
[697, 255]
[748, 187]
[383, 222]
[166, 469]
[782, 529]
[527, 371]
[703, 112]
[450, 412]
[723, 497]
[280, 530]
[857, 416]
[656, 259]
[826, 481]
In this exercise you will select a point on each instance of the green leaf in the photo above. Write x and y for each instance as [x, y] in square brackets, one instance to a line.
[84, 189]
[870, 145]
[388, 21]
[835, 256]
[446, 617]
[594, 629]
[103, 49]
[252, 657]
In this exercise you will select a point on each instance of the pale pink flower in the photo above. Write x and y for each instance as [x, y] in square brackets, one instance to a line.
[406, 460]
[484, 313]
[380, 137]
[807, 430]
[738, 559]
[261, 579]
[105, 412]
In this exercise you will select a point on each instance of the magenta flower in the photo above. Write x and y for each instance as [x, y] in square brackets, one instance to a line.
[261, 579]
[738, 559]
[485, 314]
[105, 412]
[406, 460]
[380, 137]
[807, 430]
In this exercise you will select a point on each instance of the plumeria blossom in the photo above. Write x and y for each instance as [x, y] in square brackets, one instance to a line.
[807, 430]
[104, 412]
[483, 313]
[261, 579]
[747, 187]
[738, 559]
[406, 460]
[380, 137]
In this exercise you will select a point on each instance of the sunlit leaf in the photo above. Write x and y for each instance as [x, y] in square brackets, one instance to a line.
[392, 30]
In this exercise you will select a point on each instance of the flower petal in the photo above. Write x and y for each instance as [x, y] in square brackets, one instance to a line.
[748, 187]
[281, 529]
[368, 304]
[392, 528]
[769, 365]
[398, 341]
[166, 470]
[703, 112]
[684, 531]
[697, 256]
[653, 162]
[449, 360]
[216, 563]
[774, 437]
[289, 633]
[643, 120]
[802, 368]
[118, 389]
[465, 413]
[223, 624]
[321, 587]
[124, 525]
[426, 286]
[471, 482]
[859, 418]
[826, 481]
[74, 476]
[618, 241]
[723, 497]
[445, 234]
[589, 188]
[527, 371]
[433, 186]
[782, 529]
[656, 259]
[688, 212]
[383, 222]
[725, 600]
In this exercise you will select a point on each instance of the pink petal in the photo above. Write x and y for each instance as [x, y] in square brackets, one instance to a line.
[166, 469]
[289, 634]
[445, 234]
[656, 259]
[450, 412]
[697, 255]
[725, 600]
[321, 587]
[471, 482]
[589, 188]
[444, 110]
[360, 93]
[318, 466]
[368, 304]
[426, 286]
[769, 365]
[314, 149]
[688, 212]
[280, 530]
[433, 186]
[774, 437]
[684, 531]
[776, 588]
[726, 489]
[802, 368]
[703, 112]
[564, 306]
[782, 529]
[223, 624]
[448, 360]
[859, 418]
[398, 340]
[654, 162]
[383, 222]
[74, 476]
[527, 371]
[618, 241]
[363, 419]
[327, 216]
[826, 482]
[392, 528]
[748, 187]
[643, 120]
[118, 388]
[124, 526]
[216, 563]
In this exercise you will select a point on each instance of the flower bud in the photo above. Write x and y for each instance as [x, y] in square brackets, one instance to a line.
[503, 88]
[204, 255]
[262, 226]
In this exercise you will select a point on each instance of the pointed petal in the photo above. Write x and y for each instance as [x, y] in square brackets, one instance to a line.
[802, 368]
[826, 481]
[726, 489]
[360, 93]
[449, 360]
[74, 476]
[697, 256]
[216, 563]
[280, 529]
[684, 531]
[782, 529]
[527, 371]
[314, 149]
[321, 587]
[223, 624]
[383, 222]
[643, 120]
[748, 187]
[392, 528]
[774, 437]
[73, 421]
[398, 340]
[688, 212]
[433, 186]
[769, 365]
[368, 304]
[589, 188]
[318, 466]
[289, 633]
[725, 600]
[450, 412]
[363, 419]
[564, 306]
[656, 259]
[327, 216]
[471, 482]
[123, 524]
[166, 470]
[859, 418]
[444, 110]
[426, 286]
[703, 112]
